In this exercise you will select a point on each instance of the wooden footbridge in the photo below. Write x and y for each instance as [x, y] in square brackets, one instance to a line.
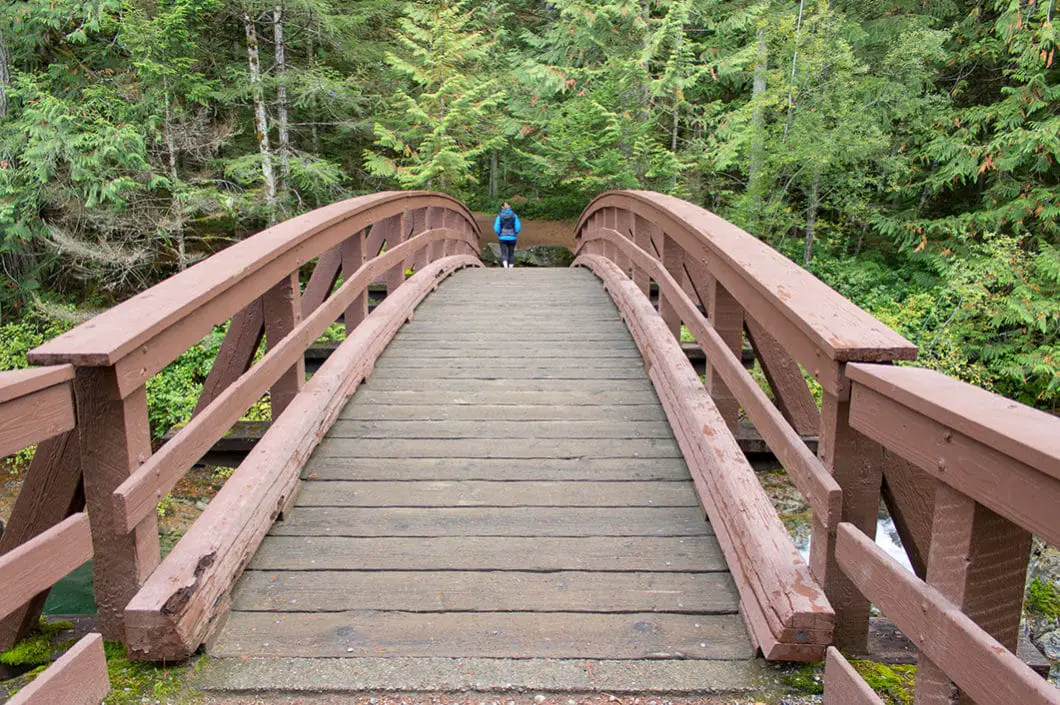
[514, 479]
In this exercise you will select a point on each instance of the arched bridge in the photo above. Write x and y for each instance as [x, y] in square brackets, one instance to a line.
[515, 479]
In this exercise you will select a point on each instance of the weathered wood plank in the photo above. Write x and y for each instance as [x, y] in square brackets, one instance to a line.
[472, 395]
[1026, 434]
[981, 667]
[510, 372]
[180, 604]
[413, 428]
[492, 635]
[587, 469]
[490, 521]
[50, 492]
[508, 386]
[19, 383]
[843, 685]
[488, 591]
[470, 493]
[774, 581]
[621, 554]
[488, 448]
[78, 677]
[502, 413]
[35, 416]
[40, 562]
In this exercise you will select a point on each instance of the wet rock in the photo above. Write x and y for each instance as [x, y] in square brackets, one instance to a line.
[1049, 645]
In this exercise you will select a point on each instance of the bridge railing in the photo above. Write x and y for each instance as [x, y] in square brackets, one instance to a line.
[995, 469]
[723, 283]
[35, 406]
[255, 284]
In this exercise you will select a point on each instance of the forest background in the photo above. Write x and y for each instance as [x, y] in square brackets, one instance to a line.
[904, 151]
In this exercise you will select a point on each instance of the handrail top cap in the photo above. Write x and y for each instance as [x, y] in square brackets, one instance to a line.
[20, 383]
[1024, 433]
[111, 335]
[842, 330]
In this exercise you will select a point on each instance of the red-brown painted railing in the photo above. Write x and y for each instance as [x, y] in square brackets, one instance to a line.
[968, 476]
[255, 283]
[791, 319]
[35, 406]
[995, 471]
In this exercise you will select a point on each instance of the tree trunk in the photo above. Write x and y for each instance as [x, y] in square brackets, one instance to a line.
[174, 179]
[758, 118]
[794, 64]
[493, 174]
[811, 218]
[281, 96]
[5, 76]
[314, 130]
[260, 118]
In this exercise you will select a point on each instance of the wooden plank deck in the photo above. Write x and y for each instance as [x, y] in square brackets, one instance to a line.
[514, 498]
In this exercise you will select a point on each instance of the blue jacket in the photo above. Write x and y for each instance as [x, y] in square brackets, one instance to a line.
[510, 231]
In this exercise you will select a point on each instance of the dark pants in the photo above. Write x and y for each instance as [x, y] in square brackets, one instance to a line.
[508, 251]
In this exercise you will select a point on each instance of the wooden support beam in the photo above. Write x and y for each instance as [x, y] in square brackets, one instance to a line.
[983, 668]
[115, 439]
[843, 685]
[353, 258]
[43, 560]
[726, 315]
[283, 312]
[673, 261]
[244, 335]
[51, 491]
[642, 230]
[322, 280]
[78, 677]
[979, 562]
[856, 463]
[785, 379]
[40, 412]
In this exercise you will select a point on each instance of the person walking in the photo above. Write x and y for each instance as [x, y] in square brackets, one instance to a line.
[507, 227]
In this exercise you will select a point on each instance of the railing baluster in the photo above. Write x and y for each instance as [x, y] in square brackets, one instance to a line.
[353, 256]
[283, 311]
[673, 260]
[856, 463]
[726, 315]
[642, 239]
[115, 439]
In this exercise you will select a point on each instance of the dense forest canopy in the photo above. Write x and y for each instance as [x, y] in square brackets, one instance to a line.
[905, 151]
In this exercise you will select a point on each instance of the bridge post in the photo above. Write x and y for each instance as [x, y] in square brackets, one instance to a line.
[394, 231]
[856, 463]
[623, 226]
[115, 439]
[283, 312]
[978, 560]
[353, 258]
[726, 315]
[642, 239]
[673, 259]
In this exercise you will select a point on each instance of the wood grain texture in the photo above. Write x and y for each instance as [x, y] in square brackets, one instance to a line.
[780, 599]
[977, 663]
[524, 469]
[490, 635]
[18, 383]
[179, 607]
[489, 448]
[843, 685]
[485, 591]
[621, 554]
[1023, 433]
[477, 493]
[40, 562]
[420, 429]
[35, 416]
[492, 521]
[242, 340]
[51, 491]
[78, 677]
[1027, 496]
